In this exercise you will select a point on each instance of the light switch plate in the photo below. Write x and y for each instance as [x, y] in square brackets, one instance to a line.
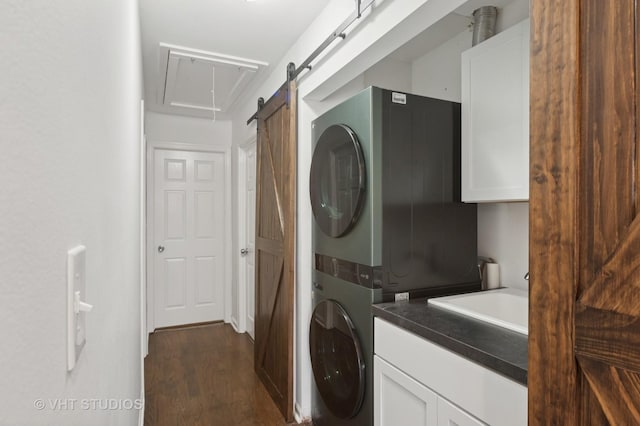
[76, 282]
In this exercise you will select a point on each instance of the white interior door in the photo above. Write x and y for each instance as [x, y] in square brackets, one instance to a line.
[250, 226]
[189, 208]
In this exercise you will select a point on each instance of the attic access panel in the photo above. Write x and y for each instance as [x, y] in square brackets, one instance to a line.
[190, 75]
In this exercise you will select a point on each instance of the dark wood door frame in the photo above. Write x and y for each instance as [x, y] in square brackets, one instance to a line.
[584, 337]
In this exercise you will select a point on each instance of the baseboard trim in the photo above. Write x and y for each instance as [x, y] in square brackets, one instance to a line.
[297, 415]
[145, 350]
[234, 324]
[185, 326]
[141, 412]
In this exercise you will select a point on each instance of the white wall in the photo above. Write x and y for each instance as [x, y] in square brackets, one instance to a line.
[389, 74]
[511, 14]
[503, 234]
[176, 128]
[70, 125]
[438, 73]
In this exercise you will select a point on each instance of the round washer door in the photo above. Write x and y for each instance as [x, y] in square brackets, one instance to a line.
[336, 359]
[337, 181]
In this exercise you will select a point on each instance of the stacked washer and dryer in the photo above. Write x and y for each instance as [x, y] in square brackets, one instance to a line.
[385, 195]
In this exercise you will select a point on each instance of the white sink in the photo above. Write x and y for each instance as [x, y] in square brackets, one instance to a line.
[505, 307]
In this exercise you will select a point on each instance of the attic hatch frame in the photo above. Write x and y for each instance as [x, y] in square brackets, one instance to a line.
[171, 54]
[292, 72]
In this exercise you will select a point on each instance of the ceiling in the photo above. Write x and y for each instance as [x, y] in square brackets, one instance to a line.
[193, 47]
[190, 47]
[450, 26]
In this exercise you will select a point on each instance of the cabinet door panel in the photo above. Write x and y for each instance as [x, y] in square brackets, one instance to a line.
[495, 118]
[399, 399]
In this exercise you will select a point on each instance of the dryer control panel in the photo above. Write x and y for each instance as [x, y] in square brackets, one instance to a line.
[364, 275]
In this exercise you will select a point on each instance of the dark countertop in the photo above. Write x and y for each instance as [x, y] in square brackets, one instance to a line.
[496, 348]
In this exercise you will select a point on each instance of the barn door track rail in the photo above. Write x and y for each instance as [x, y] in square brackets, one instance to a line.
[293, 74]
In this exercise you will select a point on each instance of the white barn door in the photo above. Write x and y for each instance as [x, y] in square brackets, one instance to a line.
[189, 236]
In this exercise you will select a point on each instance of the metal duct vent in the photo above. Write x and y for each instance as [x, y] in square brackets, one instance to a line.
[484, 24]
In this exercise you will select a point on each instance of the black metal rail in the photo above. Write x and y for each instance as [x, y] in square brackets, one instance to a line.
[338, 33]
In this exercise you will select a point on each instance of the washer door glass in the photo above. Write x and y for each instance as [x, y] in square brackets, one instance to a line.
[337, 181]
[336, 359]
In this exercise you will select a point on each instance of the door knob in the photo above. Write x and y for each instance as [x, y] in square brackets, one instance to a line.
[160, 249]
[244, 251]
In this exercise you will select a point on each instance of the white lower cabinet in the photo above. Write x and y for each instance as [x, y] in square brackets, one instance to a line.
[417, 382]
[401, 400]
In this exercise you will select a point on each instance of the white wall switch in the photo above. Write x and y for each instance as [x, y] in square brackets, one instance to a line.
[76, 308]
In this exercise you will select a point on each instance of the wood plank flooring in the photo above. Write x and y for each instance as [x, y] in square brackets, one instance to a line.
[204, 375]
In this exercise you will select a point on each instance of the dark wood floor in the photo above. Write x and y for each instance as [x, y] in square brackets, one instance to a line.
[204, 375]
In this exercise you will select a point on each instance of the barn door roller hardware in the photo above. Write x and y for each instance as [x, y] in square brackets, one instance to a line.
[282, 91]
[338, 33]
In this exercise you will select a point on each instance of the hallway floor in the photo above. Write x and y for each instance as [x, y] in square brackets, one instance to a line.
[203, 375]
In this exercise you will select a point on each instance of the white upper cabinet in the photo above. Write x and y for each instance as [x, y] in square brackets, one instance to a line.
[495, 118]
